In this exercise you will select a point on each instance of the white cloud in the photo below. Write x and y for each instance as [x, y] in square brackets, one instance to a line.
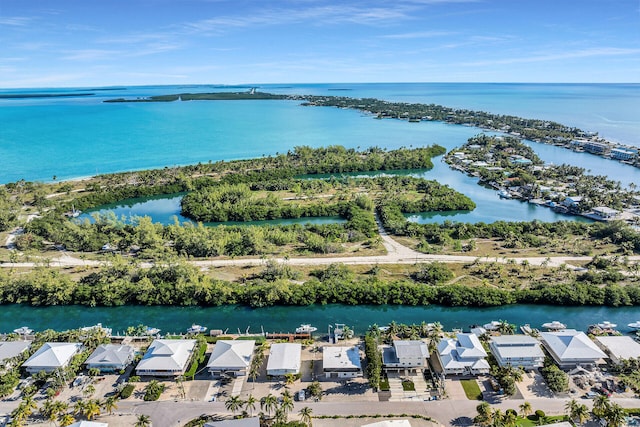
[419, 35]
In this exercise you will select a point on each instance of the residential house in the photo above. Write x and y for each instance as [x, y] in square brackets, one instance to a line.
[52, 356]
[231, 357]
[570, 348]
[619, 347]
[341, 362]
[407, 355]
[166, 358]
[518, 351]
[605, 212]
[463, 355]
[111, 357]
[11, 349]
[284, 358]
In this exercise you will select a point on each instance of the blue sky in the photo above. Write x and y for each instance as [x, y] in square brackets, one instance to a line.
[125, 42]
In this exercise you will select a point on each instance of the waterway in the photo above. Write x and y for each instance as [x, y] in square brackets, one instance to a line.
[286, 319]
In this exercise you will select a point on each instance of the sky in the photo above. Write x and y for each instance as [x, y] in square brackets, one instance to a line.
[80, 43]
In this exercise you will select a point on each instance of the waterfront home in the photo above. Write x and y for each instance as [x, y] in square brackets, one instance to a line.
[596, 147]
[341, 362]
[619, 347]
[110, 357]
[463, 355]
[623, 154]
[231, 357]
[52, 356]
[405, 355]
[235, 422]
[284, 358]
[571, 348]
[11, 349]
[518, 351]
[604, 212]
[166, 358]
[572, 202]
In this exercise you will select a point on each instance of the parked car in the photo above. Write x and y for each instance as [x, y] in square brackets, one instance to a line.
[302, 396]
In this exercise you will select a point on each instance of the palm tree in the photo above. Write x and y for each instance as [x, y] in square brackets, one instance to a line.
[526, 409]
[143, 421]
[287, 402]
[510, 418]
[305, 415]
[233, 404]
[616, 416]
[505, 328]
[250, 404]
[66, 420]
[268, 403]
[289, 379]
[485, 414]
[582, 414]
[92, 409]
[110, 404]
[601, 405]
[498, 419]
[570, 408]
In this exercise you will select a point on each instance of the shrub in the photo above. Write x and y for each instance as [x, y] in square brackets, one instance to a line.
[127, 391]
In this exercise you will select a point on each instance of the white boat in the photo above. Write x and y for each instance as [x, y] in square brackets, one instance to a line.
[491, 326]
[606, 325]
[554, 326]
[151, 331]
[24, 330]
[305, 328]
[196, 329]
[99, 326]
[504, 194]
[634, 325]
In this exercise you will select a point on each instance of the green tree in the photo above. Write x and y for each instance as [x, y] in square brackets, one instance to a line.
[143, 421]
[268, 403]
[233, 404]
[306, 415]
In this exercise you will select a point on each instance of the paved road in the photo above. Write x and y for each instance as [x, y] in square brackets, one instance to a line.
[454, 413]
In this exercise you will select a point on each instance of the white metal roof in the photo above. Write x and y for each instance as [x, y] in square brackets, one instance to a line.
[410, 349]
[341, 358]
[9, 349]
[110, 354]
[240, 422]
[572, 345]
[284, 356]
[166, 355]
[53, 355]
[621, 347]
[231, 354]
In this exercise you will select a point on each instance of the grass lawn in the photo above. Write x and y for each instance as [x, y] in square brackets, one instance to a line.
[384, 384]
[408, 385]
[471, 389]
[532, 420]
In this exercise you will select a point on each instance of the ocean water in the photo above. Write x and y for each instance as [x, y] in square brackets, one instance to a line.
[78, 136]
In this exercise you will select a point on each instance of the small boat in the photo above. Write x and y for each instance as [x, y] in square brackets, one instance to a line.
[504, 194]
[634, 325]
[24, 330]
[151, 331]
[606, 325]
[554, 326]
[98, 326]
[196, 329]
[491, 326]
[305, 328]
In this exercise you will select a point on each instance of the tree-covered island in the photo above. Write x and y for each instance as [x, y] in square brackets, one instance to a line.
[113, 261]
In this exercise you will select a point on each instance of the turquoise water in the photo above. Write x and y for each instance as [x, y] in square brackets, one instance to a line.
[284, 319]
[80, 136]
[166, 210]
